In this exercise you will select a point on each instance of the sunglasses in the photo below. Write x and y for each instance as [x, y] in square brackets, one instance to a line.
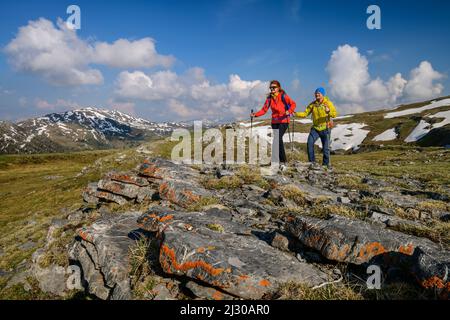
[273, 88]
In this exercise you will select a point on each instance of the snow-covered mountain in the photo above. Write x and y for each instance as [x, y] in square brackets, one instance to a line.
[87, 128]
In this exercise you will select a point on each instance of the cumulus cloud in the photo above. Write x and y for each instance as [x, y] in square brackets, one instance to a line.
[130, 54]
[125, 107]
[62, 58]
[58, 104]
[191, 95]
[355, 90]
[422, 82]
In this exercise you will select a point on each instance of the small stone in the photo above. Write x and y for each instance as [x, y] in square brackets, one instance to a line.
[344, 200]
[300, 258]
[27, 245]
[162, 293]
[280, 242]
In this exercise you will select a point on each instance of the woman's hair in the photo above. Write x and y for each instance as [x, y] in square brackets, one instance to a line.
[278, 84]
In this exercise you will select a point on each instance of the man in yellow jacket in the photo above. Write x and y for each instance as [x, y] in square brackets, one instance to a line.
[322, 110]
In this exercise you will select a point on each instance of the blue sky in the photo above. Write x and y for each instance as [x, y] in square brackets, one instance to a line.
[209, 59]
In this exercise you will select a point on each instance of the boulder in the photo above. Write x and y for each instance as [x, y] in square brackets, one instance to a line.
[111, 197]
[207, 293]
[126, 177]
[182, 193]
[209, 247]
[88, 193]
[123, 189]
[102, 251]
[51, 279]
[157, 169]
[354, 241]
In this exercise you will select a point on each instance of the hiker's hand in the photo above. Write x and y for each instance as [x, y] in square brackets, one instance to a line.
[287, 113]
[252, 115]
[327, 110]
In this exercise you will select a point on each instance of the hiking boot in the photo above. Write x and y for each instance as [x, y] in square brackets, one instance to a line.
[327, 167]
[314, 166]
[283, 167]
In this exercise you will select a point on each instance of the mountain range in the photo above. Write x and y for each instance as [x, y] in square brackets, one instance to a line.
[81, 129]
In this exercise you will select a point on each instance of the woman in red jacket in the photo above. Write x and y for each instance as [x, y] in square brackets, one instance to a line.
[282, 107]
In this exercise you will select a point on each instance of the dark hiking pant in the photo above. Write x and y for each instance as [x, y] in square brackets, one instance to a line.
[282, 127]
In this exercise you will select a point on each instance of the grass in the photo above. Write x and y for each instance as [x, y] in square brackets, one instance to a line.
[436, 231]
[293, 193]
[203, 202]
[34, 189]
[227, 182]
[215, 227]
[433, 205]
[243, 175]
[298, 291]
[377, 202]
[350, 182]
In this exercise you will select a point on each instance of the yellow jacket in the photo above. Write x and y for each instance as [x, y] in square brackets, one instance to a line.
[319, 116]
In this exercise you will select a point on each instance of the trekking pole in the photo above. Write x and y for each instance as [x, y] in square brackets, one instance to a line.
[289, 134]
[293, 127]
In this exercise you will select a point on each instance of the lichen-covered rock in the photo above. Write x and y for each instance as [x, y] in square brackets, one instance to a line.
[123, 189]
[156, 169]
[182, 193]
[126, 177]
[111, 197]
[51, 279]
[355, 241]
[210, 247]
[103, 252]
[88, 193]
[208, 293]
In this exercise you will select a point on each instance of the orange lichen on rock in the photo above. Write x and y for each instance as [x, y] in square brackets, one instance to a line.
[337, 253]
[164, 189]
[217, 295]
[408, 249]
[264, 283]
[192, 197]
[370, 250]
[435, 282]
[85, 236]
[168, 261]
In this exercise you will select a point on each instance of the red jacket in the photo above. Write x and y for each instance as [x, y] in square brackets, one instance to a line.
[278, 108]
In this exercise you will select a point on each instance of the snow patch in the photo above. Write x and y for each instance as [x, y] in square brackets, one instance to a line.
[348, 136]
[247, 125]
[432, 105]
[387, 135]
[344, 117]
[424, 127]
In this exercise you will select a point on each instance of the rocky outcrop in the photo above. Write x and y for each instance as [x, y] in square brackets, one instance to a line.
[102, 252]
[252, 238]
[175, 183]
[210, 247]
[354, 241]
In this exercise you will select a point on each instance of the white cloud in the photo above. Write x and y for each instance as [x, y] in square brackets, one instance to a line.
[190, 95]
[125, 107]
[355, 91]
[421, 84]
[58, 104]
[130, 54]
[62, 58]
